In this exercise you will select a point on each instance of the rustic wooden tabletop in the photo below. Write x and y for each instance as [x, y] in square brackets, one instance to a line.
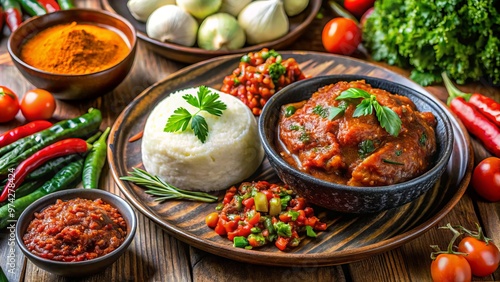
[155, 255]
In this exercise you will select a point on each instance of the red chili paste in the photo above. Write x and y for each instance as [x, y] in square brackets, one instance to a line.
[75, 230]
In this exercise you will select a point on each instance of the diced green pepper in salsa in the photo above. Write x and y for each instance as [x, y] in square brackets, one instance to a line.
[259, 213]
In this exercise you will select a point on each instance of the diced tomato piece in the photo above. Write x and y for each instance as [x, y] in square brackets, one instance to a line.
[255, 219]
[300, 204]
[220, 229]
[231, 225]
[320, 226]
[248, 203]
[311, 221]
[285, 217]
[253, 242]
[269, 194]
[281, 243]
[309, 211]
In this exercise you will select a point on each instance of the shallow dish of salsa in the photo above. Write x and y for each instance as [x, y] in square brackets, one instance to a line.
[76, 232]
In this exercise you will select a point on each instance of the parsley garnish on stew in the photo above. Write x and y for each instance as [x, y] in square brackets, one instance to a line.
[387, 118]
[204, 101]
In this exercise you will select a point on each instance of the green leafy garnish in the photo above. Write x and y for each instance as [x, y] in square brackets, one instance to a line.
[423, 139]
[399, 152]
[365, 148]
[204, 101]
[320, 111]
[310, 232]
[387, 118]
[335, 111]
[163, 190]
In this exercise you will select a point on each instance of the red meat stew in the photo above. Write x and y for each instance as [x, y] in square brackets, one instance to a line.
[356, 151]
[75, 230]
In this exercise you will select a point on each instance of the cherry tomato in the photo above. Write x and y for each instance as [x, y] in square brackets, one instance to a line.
[8, 103]
[450, 267]
[341, 36]
[212, 219]
[38, 104]
[486, 179]
[483, 258]
[358, 7]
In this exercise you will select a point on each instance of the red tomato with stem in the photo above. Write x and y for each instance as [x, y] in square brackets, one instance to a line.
[38, 104]
[486, 179]
[450, 268]
[358, 7]
[341, 36]
[9, 104]
[483, 258]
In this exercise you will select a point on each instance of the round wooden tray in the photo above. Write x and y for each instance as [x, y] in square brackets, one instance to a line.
[298, 25]
[348, 237]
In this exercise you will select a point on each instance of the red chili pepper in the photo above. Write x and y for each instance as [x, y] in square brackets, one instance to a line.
[477, 124]
[58, 149]
[23, 131]
[13, 14]
[1, 19]
[484, 104]
[50, 5]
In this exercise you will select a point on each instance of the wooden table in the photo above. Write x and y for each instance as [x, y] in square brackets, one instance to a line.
[157, 256]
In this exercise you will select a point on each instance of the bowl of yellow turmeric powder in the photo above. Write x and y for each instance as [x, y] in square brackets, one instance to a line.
[75, 54]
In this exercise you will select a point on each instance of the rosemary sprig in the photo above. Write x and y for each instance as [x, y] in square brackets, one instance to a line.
[163, 190]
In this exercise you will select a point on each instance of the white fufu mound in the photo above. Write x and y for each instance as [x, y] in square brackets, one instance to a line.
[231, 153]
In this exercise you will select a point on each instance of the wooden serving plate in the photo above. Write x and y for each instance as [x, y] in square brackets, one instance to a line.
[298, 25]
[348, 237]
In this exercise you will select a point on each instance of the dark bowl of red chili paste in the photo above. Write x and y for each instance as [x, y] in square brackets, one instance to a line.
[76, 232]
[356, 163]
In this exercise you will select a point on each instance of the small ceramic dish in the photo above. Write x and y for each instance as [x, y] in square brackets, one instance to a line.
[80, 268]
[345, 198]
[74, 86]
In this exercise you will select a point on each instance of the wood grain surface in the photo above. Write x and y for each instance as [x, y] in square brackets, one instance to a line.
[156, 255]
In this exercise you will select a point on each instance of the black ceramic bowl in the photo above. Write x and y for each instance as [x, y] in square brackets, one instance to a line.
[81, 268]
[74, 86]
[345, 198]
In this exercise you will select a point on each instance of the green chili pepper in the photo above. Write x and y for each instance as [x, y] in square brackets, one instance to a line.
[261, 203]
[28, 187]
[64, 179]
[33, 8]
[240, 242]
[94, 162]
[25, 147]
[3, 278]
[274, 206]
[66, 4]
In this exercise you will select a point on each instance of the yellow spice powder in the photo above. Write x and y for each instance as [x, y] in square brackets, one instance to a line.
[74, 49]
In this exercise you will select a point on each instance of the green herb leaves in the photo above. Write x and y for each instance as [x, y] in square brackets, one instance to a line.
[387, 118]
[204, 101]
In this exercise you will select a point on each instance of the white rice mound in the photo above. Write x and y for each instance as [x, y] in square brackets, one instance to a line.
[231, 153]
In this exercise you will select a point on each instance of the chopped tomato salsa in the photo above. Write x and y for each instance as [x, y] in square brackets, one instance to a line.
[259, 213]
[75, 230]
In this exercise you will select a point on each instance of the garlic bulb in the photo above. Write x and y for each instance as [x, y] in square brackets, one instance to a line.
[200, 8]
[263, 21]
[295, 7]
[220, 31]
[142, 9]
[233, 7]
[173, 24]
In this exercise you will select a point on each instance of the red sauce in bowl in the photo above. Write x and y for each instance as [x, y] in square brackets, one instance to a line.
[75, 230]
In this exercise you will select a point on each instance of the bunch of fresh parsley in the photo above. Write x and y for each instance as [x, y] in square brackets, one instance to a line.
[461, 37]
[204, 101]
